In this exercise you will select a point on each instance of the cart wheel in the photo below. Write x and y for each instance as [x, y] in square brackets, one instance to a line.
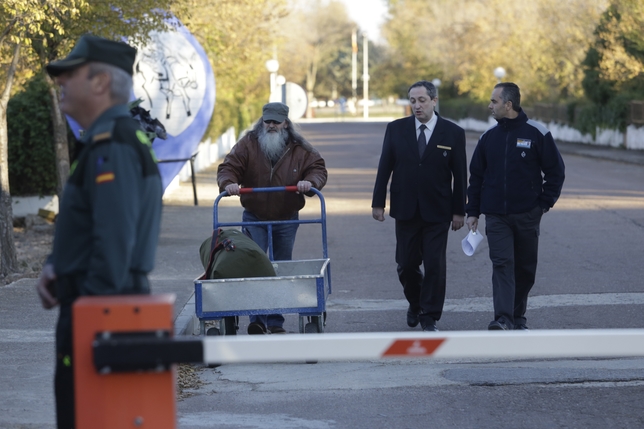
[311, 328]
[315, 326]
[213, 332]
[230, 325]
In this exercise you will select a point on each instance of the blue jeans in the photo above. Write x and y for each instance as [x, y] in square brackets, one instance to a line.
[283, 242]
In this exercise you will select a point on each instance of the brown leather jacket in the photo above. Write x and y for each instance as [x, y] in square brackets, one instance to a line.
[247, 166]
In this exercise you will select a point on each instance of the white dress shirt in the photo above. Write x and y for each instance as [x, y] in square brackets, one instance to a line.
[431, 124]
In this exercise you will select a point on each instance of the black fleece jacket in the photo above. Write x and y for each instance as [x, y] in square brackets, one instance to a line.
[515, 167]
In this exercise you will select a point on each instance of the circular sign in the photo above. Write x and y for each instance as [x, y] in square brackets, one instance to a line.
[294, 97]
[173, 77]
[169, 76]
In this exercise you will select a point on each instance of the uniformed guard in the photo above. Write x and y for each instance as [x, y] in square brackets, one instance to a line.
[109, 219]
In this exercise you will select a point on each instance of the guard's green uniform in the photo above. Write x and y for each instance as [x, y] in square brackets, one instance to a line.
[109, 220]
[107, 229]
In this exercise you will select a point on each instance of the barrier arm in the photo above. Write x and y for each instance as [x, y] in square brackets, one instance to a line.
[149, 350]
[124, 354]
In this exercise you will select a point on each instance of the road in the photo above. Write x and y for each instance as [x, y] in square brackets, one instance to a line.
[589, 277]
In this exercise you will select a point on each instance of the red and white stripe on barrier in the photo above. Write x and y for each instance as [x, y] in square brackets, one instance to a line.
[458, 344]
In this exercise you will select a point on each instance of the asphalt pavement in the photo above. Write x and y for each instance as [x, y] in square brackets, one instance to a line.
[364, 301]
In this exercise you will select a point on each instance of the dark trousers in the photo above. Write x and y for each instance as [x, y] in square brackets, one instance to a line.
[423, 242]
[514, 247]
[67, 288]
[64, 378]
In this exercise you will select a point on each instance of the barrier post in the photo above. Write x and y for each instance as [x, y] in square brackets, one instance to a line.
[122, 400]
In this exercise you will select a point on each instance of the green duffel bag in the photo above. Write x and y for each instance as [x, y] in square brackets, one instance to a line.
[230, 253]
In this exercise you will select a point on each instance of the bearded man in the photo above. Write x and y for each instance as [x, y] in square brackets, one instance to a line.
[272, 154]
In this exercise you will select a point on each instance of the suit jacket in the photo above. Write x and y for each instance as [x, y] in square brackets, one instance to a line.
[436, 183]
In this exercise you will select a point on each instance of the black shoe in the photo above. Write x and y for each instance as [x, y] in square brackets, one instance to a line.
[498, 325]
[430, 327]
[521, 327]
[277, 330]
[257, 328]
[412, 318]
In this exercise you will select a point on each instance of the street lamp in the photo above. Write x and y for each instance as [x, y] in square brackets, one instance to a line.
[280, 82]
[272, 66]
[437, 82]
[365, 75]
[499, 73]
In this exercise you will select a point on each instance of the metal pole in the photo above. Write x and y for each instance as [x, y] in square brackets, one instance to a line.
[354, 65]
[365, 75]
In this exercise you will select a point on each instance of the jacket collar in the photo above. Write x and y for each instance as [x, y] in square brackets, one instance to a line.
[105, 122]
[510, 124]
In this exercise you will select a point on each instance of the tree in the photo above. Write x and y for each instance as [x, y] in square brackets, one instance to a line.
[238, 37]
[316, 38]
[115, 20]
[22, 20]
[44, 29]
[615, 61]
[537, 43]
[8, 261]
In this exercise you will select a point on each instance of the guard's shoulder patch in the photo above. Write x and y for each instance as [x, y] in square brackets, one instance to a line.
[102, 136]
[143, 137]
[539, 126]
[105, 177]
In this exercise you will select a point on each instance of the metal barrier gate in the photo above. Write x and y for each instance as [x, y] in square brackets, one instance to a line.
[124, 354]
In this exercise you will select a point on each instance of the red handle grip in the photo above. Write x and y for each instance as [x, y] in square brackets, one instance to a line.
[251, 190]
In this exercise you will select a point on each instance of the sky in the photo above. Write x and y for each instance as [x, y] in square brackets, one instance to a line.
[368, 14]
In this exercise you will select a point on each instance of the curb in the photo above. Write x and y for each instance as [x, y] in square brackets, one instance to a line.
[184, 324]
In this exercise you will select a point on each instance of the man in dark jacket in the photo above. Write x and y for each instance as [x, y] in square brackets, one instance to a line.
[110, 213]
[516, 175]
[426, 156]
[272, 154]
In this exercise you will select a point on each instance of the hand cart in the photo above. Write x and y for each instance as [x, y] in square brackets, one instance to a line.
[300, 286]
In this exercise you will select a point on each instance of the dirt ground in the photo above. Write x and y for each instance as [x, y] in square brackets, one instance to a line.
[33, 238]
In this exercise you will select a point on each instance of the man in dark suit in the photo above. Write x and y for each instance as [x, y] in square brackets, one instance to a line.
[426, 155]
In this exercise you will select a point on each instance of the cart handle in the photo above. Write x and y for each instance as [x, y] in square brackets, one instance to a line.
[273, 189]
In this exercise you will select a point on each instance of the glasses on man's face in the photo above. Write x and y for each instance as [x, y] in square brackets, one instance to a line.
[270, 121]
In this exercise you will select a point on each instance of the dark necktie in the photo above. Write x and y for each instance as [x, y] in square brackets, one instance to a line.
[422, 140]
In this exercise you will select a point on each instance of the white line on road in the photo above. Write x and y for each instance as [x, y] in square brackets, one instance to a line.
[465, 305]
[217, 419]
[25, 336]
[469, 305]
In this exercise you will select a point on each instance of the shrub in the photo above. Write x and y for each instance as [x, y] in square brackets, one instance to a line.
[32, 159]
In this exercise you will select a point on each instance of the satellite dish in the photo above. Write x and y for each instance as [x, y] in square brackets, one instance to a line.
[294, 96]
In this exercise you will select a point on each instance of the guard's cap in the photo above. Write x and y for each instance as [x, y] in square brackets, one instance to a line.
[95, 49]
[275, 112]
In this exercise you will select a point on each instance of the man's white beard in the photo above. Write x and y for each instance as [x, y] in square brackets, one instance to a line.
[273, 144]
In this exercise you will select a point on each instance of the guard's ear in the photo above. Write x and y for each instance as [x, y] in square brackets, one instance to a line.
[101, 82]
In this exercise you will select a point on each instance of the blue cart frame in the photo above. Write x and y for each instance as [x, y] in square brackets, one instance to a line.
[300, 286]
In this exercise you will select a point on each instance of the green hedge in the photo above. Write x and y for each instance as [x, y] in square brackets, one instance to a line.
[32, 159]
[611, 115]
[461, 108]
